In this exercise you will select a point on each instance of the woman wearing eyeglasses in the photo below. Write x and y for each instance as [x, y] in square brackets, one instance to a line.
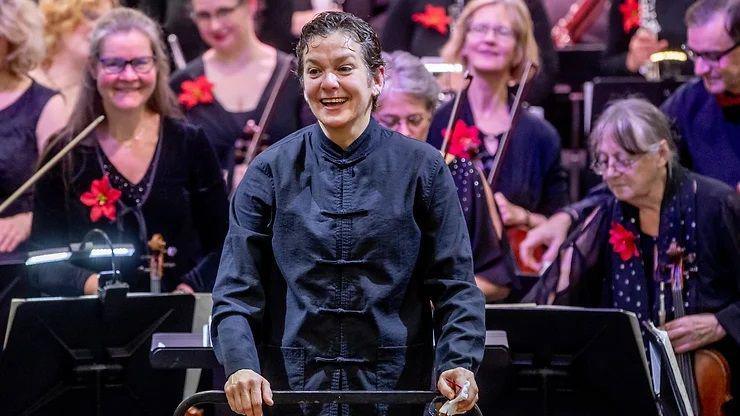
[617, 255]
[67, 27]
[228, 87]
[141, 172]
[493, 40]
[409, 97]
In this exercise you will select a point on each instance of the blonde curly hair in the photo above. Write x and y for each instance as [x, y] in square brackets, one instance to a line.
[21, 24]
[62, 17]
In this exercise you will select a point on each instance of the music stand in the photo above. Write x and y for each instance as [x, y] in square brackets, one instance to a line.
[571, 361]
[71, 356]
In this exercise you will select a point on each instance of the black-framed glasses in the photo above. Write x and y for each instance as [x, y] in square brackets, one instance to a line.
[392, 121]
[482, 29]
[220, 14]
[140, 64]
[709, 56]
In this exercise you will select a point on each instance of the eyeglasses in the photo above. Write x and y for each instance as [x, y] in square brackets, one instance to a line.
[482, 29]
[220, 14]
[412, 120]
[710, 56]
[141, 64]
[620, 164]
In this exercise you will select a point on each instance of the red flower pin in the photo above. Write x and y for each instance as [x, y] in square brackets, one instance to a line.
[464, 142]
[101, 198]
[630, 15]
[623, 242]
[196, 91]
[433, 17]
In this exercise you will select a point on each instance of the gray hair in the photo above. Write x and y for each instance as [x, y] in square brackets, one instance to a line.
[635, 125]
[703, 10]
[123, 20]
[22, 25]
[404, 73]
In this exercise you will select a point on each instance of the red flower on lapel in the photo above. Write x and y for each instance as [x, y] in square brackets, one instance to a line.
[630, 10]
[196, 91]
[101, 198]
[464, 142]
[433, 17]
[623, 242]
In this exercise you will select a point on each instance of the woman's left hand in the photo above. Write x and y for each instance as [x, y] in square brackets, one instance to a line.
[184, 288]
[694, 331]
[511, 214]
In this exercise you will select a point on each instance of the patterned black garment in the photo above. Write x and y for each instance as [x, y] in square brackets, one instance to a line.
[701, 215]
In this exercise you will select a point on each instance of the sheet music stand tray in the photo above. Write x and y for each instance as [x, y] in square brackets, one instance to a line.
[571, 361]
[76, 356]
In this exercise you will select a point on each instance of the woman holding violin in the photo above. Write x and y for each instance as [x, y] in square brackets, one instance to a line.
[226, 90]
[406, 105]
[141, 172]
[494, 41]
[619, 255]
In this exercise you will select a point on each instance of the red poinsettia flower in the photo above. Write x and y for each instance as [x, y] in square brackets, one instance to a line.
[433, 17]
[464, 142]
[101, 198]
[623, 242]
[630, 10]
[196, 91]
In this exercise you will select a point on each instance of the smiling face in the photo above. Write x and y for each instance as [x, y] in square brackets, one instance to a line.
[490, 42]
[130, 89]
[723, 75]
[338, 86]
[223, 23]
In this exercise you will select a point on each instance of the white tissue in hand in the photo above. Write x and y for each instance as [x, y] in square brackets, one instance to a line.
[450, 407]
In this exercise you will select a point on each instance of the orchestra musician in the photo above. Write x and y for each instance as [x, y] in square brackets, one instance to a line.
[406, 105]
[236, 76]
[67, 27]
[616, 255]
[493, 40]
[142, 172]
[342, 238]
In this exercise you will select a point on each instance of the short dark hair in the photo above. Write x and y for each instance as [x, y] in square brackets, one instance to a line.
[703, 10]
[327, 23]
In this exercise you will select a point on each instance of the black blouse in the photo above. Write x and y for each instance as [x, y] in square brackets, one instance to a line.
[182, 197]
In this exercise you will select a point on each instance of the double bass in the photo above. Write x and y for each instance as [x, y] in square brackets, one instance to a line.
[705, 372]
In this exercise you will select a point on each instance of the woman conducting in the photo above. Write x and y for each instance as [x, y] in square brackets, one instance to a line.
[140, 173]
[617, 255]
[342, 236]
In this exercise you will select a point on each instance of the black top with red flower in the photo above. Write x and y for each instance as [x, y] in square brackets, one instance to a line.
[531, 175]
[223, 127]
[624, 20]
[421, 27]
[181, 197]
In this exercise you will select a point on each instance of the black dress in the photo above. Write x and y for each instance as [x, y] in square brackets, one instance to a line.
[402, 32]
[223, 127]
[182, 197]
[18, 157]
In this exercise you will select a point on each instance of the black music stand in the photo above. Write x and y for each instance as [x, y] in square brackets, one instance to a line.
[570, 361]
[71, 356]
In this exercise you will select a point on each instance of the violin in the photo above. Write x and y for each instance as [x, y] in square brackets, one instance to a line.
[705, 372]
[580, 17]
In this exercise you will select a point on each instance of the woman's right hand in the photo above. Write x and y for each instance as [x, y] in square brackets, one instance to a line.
[14, 230]
[643, 44]
[246, 391]
[550, 233]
